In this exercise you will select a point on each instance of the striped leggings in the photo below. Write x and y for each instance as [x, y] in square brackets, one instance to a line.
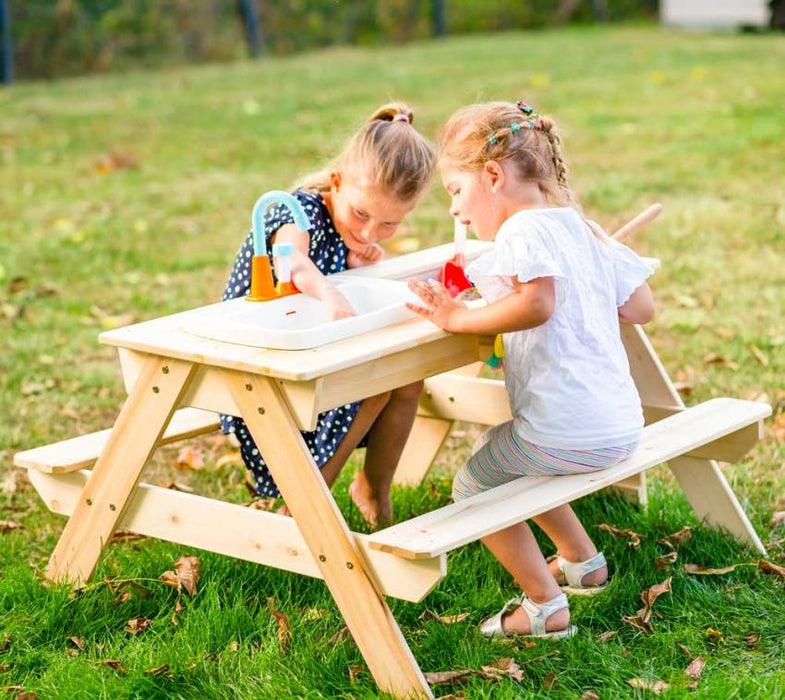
[501, 455]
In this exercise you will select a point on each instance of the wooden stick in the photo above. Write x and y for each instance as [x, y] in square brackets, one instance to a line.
[636, 224]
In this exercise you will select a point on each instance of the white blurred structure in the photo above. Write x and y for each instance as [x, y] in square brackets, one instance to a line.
[714, 14]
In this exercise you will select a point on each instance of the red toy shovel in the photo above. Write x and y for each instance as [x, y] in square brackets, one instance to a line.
[452, 275]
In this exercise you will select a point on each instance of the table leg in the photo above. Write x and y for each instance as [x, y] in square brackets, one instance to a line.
[701, 480]
[142, 420]
[345, 572]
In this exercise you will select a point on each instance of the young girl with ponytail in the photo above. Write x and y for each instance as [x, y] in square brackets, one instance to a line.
[358, 200]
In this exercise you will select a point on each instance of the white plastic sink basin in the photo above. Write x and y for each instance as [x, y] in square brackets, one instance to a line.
[298, 322]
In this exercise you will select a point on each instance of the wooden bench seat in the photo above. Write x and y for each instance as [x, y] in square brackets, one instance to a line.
[79, 452]
[716, 422]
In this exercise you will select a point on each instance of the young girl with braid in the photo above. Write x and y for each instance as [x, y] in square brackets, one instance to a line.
[357, 201]
[556, 287]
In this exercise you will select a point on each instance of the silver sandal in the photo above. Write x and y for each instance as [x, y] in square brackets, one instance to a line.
[538, 615]
[574, 571]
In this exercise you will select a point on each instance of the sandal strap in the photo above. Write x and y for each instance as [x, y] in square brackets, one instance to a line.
[540, 612]
[574, 571]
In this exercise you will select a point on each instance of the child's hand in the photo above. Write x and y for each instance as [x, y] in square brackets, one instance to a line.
[440, 307]
[369, 255]
[338, 306]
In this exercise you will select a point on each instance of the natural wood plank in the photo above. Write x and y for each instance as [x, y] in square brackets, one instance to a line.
[396, 370]
[245, 533]
[427, 435]
[342, 563]
[423, 444]
[457, 524]
[207, 390]
[141, 422]
[79, 452]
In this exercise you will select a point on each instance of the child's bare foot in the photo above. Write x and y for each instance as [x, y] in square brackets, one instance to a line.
[283, 510]
[374, 507]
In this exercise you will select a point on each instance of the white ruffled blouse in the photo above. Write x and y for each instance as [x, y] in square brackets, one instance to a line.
[569, 379]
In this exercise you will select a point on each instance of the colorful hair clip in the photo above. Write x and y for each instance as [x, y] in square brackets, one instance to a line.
[532, 123]
[526, 109]
[515, 127]
[492, 139]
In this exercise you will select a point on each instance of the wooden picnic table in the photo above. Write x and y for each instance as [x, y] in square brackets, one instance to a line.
[171, 373]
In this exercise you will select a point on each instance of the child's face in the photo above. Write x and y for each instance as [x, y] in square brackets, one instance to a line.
[472, 196]
[362, 213]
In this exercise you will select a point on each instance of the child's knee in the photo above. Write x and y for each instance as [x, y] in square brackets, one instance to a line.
[463, 485]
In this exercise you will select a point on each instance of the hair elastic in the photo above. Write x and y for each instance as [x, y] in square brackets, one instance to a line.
[401, 117]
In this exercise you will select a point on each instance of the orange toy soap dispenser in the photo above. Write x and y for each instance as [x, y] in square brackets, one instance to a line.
[262, 287]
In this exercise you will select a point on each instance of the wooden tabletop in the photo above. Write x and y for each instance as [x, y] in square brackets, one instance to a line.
[167, 336]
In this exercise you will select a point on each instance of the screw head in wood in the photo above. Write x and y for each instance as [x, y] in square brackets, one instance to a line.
[89, 501]
[156, 389]
[349, 565]
[248, 386]
[165, 369]
[322, 557]
[112, 506]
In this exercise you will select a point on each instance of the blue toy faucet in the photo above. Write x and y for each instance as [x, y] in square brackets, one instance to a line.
[262, 288]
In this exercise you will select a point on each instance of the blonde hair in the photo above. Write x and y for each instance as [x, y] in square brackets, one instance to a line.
[501, 131]
[388, 149]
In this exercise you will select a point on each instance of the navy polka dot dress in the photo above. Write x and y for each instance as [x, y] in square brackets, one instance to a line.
[328, 252]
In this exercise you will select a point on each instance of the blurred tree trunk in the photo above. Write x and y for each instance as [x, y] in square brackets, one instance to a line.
[251, 28]
[777, 14]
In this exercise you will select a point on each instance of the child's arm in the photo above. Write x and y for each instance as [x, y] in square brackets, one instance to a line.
[639, 308]
[529, 305]
[308, 278]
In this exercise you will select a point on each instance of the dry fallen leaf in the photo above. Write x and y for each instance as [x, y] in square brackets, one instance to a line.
[77, 642]
[666, 560]
[759, 355]
[605, 636]
[590, 695]
[8, 525]
[188, 570]
[778, 518]
[702, 571]
[116, 664]
[315, 614]
[695, 669]
[440, 677]
[339, 636]
[655, 687]
[137, 625]
[677, 538]
[768, 568]
[284, 630]
[505, 667]
[354, 671]
[159, 671]
[444, 619]
[714, 636]
[189, 458]
[635, 538]
[642, 619]
[651, 594]
[751, 640]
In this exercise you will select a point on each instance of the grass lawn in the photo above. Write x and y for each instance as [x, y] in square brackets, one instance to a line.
[125, 197]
